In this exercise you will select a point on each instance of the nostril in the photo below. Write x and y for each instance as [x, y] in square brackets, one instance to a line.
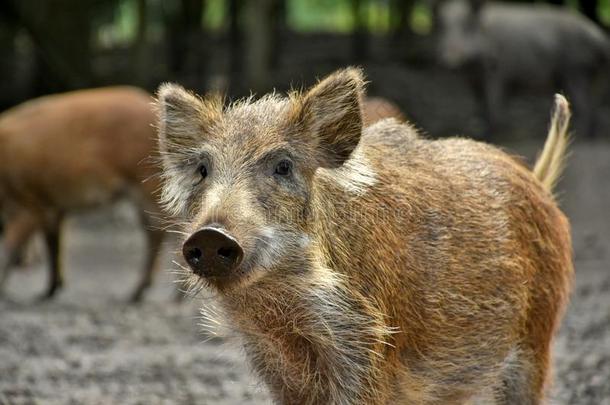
[226, 252]
[212, 252]
[193, 255]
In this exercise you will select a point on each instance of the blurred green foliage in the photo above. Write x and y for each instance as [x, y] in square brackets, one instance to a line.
[319, 15]
[121, 28]
[603, 10]
[215, 14]
[301, 16]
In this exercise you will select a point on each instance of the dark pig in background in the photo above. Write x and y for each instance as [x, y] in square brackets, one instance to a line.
[501, 45]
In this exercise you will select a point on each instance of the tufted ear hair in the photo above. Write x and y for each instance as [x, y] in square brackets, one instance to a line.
[183, 117]
[331, 113]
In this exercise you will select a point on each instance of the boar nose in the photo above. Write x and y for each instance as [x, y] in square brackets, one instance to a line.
[212, 252]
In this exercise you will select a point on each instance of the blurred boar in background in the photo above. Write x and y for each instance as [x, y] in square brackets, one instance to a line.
[369, 265]
[499, 45]
[378, 108]
[69, 152]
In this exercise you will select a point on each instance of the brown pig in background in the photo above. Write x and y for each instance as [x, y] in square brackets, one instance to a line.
[64, 153]
[378, 108]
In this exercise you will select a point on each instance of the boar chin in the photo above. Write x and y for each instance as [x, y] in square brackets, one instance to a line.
[275, 248]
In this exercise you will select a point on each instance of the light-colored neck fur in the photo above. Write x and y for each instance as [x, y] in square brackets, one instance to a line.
[304, 326]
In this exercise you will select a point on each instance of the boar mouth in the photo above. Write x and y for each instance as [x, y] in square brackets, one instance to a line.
[229, 280]
[262, 252]
[256, 259]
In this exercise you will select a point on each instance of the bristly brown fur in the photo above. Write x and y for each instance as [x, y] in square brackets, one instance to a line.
[386, 268]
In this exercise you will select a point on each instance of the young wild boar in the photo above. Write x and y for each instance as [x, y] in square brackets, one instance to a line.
[500, 45]
[68, 152]
[369, 266]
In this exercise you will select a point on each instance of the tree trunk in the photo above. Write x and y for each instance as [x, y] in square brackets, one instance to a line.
[589, 8]
[236, 46]
[185, 37]
[8, 33]
[140, 66]
[400, 14]
[61, 33]
[259, 40]
[359, 35]
[279, 28]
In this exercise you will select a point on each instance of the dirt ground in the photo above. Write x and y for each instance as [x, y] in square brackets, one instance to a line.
[89, 347]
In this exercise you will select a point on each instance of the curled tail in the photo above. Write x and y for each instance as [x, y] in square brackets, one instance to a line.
[551, 162]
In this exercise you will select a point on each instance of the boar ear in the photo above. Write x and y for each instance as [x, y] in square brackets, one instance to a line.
[183, 117]
[331, 112]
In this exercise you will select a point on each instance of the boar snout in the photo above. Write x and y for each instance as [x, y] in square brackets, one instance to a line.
[211, 252]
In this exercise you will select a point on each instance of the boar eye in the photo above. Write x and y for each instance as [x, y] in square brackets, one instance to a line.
[283, 168]
[203, 171]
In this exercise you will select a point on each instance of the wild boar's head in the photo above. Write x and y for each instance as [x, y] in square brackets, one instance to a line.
[460, 37]
[241, 175]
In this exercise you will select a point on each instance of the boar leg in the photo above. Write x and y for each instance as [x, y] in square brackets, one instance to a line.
[523, 378]
[154, 238]
[17, 232]
[5, 265]
[52, 238]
